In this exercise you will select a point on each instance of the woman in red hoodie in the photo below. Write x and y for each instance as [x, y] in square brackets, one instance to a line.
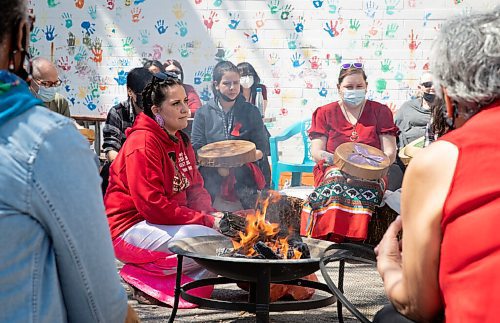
[156, 195]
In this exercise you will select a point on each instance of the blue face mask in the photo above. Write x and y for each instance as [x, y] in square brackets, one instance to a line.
[47, 94]
[354, 97]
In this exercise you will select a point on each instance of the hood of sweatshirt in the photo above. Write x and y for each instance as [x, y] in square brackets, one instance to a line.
[145, 123]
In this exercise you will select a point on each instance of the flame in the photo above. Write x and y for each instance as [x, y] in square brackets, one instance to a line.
[258, 229]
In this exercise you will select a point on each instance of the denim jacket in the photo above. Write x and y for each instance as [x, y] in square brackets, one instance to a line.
[56, 259]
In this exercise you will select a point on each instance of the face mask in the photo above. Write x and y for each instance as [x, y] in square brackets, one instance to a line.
[225, 97]
[354, 97]
[429, 97]
[47, 94]
[247, 81]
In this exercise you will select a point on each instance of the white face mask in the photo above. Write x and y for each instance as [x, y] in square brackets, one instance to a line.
[47, 94]
[246, 81]
[354, 97]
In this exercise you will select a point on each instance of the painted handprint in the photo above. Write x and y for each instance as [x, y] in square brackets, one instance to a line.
[354, 25]
[79, 3]
[427, 15]
[94, 90]
[64, 63]
[34, 52]
[182, 26]
[110, 4]
[273, 6]
[333, 6]
[92, 12]
[286, 11]
[212, 18]
[315, 62]
[127, 3]
[366, 41]
[370, 8]
[52, 3]
[331, 29]
[322, 91]
[254, 38]
[205, 94]
[413, 44]
[292, 41]
[127, 45]
[317, 3]
[122, 77]
[385, 65]
[87, 41]
[197, 77]
[259, 19]
[68, 19]
[34, 35]
[89, 102]
[161, 27]
[136, 14]
[144, 36]
[234, 20]
[49, 33]
[379, 50]
[374, 28]
[81, 55]
[207, 76]
[97, 52]
[217, 3]
[391, 30]
[178, 11]
[390, 6]
[88, 27]
[138, 2]
[297, 60]
[184, 51]
[299, 24]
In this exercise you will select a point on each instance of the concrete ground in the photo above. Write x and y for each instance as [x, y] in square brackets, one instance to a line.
[362, 285]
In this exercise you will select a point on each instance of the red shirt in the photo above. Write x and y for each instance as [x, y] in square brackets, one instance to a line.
[329, 121]
[154, 178]
[193, 99]
[470, 248]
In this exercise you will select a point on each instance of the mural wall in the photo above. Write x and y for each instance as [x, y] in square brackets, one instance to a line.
[295, 46]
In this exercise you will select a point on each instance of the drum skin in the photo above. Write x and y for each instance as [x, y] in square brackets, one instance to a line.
[227, 153]
[361, 160]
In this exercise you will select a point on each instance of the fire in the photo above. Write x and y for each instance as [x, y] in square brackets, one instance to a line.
[258, 229]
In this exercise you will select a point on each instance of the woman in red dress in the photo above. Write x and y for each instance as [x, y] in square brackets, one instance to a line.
[341, 205]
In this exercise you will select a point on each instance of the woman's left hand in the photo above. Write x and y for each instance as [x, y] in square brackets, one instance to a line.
[388, 251]
[259, 154]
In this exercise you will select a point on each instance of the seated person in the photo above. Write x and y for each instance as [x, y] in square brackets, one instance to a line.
[229, 117]
[46, 86]
[121, 117]
[56, 258]
[156, 196]
[437, 125]
[448, 259]
[154, 66]
[249, 82]
[173, 66]
[337, 215]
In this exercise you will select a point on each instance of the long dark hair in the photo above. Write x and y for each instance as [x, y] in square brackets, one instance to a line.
[220, 69]
[438, 126]
[245, 69]
[155, 93]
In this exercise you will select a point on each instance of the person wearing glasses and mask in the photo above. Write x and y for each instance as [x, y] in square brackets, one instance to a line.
[353, 118]
[229, 117]
[56, 258]
[121, 117]
[414, 115]
[46, 86]
[156, 195]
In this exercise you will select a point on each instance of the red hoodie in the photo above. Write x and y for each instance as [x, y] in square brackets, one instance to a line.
[154, 178]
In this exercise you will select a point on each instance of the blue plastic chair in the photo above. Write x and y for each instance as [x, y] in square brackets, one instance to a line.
[277, 166]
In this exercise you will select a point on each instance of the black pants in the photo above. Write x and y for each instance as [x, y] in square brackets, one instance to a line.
[245, 186]
[105, 177]
[388, 314]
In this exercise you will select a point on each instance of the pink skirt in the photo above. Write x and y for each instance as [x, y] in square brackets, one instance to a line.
[151, 267]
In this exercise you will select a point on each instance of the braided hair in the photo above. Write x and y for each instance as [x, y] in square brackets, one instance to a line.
[155, 92]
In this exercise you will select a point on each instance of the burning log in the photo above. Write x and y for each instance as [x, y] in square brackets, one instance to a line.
[262, 249]
[231, 224]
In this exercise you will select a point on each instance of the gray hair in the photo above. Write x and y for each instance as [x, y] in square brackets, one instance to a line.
[465, 58]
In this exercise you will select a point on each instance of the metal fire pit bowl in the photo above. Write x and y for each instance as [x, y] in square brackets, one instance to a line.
[259, 273]
[203, 250]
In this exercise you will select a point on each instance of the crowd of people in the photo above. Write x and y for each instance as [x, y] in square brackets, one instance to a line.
[55, 267]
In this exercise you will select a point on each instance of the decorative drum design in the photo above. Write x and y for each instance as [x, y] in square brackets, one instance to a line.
[361, 160]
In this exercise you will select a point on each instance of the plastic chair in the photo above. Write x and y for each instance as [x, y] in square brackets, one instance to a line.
[357, 272]
[277, 166]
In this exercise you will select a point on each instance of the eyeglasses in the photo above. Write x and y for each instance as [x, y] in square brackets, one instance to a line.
[49, 83]
[426, 84]
[349, 65]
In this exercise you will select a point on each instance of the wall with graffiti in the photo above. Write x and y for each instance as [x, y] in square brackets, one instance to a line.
[296, 46]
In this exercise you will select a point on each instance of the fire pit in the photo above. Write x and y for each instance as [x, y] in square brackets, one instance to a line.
[258, 272]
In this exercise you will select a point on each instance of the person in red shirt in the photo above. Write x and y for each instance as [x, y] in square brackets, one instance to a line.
[451, 191]
[156, 195]
[331, 213]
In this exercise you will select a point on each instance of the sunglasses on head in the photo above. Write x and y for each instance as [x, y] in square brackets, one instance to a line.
[426, 84]
[346, 66]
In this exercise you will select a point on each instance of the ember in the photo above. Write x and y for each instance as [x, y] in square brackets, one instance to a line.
[261, 239]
